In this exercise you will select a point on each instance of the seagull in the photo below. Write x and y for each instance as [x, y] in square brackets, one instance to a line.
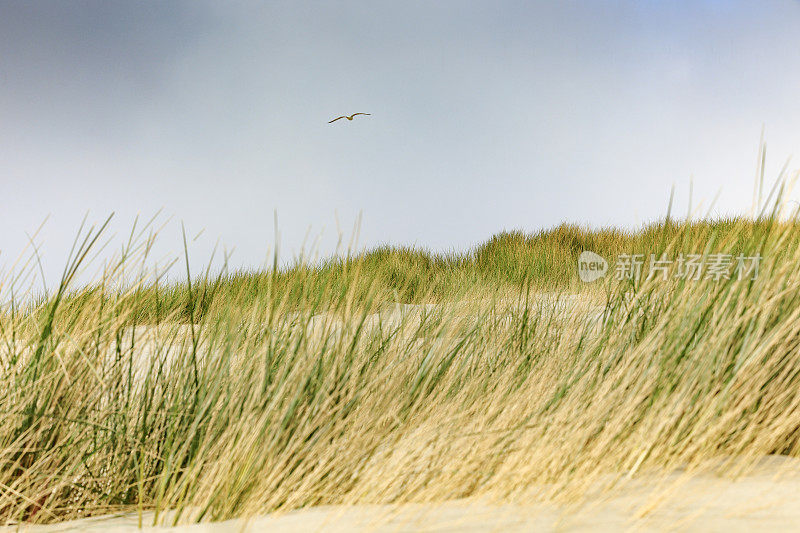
[348, 118]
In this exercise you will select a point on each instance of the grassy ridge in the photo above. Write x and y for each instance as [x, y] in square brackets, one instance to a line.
[545, 260]
[283, 389]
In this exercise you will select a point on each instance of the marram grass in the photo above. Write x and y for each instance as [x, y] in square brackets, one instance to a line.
[252, 392]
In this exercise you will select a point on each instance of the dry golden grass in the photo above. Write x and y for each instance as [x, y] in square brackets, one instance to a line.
[243, 395]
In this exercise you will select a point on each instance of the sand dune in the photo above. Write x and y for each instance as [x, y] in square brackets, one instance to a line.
[165, 341]
[766, 499]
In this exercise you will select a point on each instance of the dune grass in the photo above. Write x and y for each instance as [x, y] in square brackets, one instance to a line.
[508, 262]
[242, 393]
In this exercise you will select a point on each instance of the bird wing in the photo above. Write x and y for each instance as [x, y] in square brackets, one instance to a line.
[354, 114]
[337, 118]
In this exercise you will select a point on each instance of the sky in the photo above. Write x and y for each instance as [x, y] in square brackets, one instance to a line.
[485, 116]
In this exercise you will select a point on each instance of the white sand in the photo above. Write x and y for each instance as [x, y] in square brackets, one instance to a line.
[767, 499]
[164, 342]
[391, 315]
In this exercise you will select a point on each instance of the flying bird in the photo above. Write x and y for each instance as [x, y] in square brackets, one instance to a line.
[348, 118]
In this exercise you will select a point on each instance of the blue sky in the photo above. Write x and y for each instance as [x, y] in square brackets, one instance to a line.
[485, 116]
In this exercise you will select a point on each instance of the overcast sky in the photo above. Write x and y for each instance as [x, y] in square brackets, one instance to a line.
[485, 116]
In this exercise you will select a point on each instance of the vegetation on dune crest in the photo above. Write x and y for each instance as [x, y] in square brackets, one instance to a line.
[255, 391]
[509, 261]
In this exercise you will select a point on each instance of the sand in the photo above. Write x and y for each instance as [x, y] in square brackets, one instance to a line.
[164, 342]
[766, 499]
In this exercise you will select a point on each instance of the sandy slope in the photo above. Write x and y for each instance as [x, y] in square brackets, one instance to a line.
[766, 499]
[162, 343]
[174, 337]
